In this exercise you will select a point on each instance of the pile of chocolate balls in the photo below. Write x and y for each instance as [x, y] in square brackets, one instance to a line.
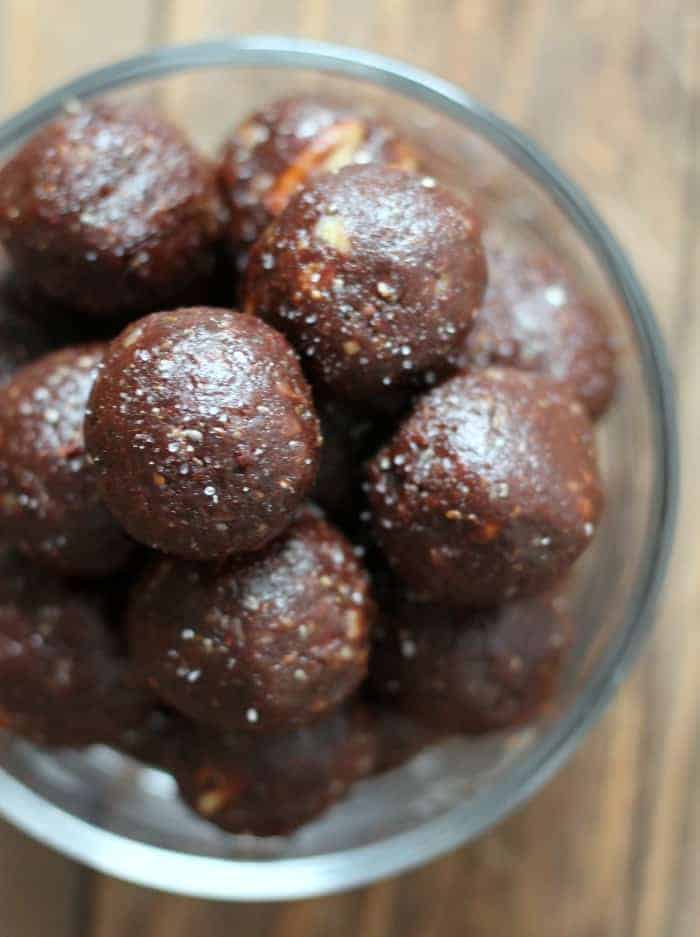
[294, 463]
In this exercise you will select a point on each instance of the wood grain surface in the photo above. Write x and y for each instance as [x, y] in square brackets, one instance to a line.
[611, 89]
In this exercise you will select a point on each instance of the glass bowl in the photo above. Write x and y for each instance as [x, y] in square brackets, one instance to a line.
[123, 819]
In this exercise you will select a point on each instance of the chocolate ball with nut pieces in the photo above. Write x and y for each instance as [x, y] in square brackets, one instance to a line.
[203, 433]
[270, 785]
[535, 318]
[470, 670]
[374, 275]
[489, 490]
[279, 148]
[110, 211]
[64, 679]
[50, 507]
[261, 643]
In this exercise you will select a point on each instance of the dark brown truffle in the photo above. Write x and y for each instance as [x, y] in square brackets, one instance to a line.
[63, 678]
[374, 275]
[110, 210]
[535, 318]
[257, 644]
[273, 784]
[203, 432]
[489, 490]
[471, 671]
[49, 504]
[277, 149]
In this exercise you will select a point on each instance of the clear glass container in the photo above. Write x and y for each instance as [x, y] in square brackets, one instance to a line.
[123, 819]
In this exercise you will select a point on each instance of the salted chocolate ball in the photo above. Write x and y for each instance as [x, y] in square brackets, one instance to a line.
[489, 490]
[22, 338]
[50, 507]
[271, 785]
[374, 275]
[64, 679]
[203, 433]
[110, 211]
[534, 317]
[279, 148]
[470, 670]
[260, 643]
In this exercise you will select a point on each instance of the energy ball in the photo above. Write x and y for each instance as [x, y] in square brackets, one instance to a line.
[469, 670]
[64, 680]
[490, 489]
[375, 276]
[270, 785]
[50, 507]
[110, 211]
[261, 643]
[203, 433]
[279, 148]
[535, 318]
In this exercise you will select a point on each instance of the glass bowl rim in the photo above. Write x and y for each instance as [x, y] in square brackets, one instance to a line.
[285, 879]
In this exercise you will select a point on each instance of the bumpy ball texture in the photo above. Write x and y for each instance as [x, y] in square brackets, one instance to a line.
[374, 275]
[110, 210]
[489, 490]
[49, 503]
[203, 433]
[279, 148]
[271, 785]
[260, 644]
[471, 671]
[64, 679]
[535, 318]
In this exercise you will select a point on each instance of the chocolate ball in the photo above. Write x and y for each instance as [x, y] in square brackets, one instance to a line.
[489, 490]
[64, 679]
[286, 143]
[271, 785]
[50, 507]
[374, 275]
[110, 210]
[260, 643]
[470, 670]
[203, 433]
[535, 318]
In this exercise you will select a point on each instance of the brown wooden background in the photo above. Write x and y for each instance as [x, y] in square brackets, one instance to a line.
[611, 88]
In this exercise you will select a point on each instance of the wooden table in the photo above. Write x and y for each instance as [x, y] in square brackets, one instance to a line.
[612, 89]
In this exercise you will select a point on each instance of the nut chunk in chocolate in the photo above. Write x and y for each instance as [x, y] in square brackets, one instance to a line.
[489, 490]
[279, 148]
[203, 433]
[109, 210]
[259, 643]
[50, 507]
[375, 276]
